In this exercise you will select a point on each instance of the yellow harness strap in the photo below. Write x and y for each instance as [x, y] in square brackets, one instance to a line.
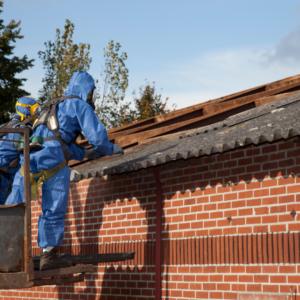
[44, 175]
[5, 169]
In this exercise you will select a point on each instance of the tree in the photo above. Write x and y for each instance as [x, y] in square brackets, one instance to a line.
[115, 82]
[10, 66]
[61, 59]
[147, 105]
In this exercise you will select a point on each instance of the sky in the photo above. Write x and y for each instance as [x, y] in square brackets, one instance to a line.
[194, 50]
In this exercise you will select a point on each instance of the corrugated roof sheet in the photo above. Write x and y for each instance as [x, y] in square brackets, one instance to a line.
[270, 122]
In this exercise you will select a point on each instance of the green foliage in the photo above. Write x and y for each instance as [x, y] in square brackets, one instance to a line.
[147, 105]
[61, 59]
[115, 82]
[10, 66]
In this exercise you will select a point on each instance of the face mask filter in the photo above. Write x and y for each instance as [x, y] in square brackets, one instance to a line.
[92, 98]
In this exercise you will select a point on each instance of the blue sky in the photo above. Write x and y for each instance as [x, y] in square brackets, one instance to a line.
[196, 50]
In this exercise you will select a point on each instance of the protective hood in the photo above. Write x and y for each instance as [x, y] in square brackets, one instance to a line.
[26, 107]
[81, 84]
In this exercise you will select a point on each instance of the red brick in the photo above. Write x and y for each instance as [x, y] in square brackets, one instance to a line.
[286, 198]
[277, 228]
[258, 229]
[270, 269]
[223, 269]
[253, 220]
[270, 219]
[246, 195]
[237, 204]
[254, 202]
[238, 269]
[201, 278]
[253, 269]
[216, 295]
[228, 295]
[225, 205]
[268, 183]
[209, 286]
[216, 215]
[294, 279]
[232, 196]
[287, 269]
[253, 287]
[214, 278]
[210, 224]
[270, 288]
[271, 200]
[286, 218]
[231, 230]
[261, 210]
[216, 198]
[230, 278]
[244, 230]
[294, 227]
[245, 278]
[209, 269]
[261, 278]
[203, 216]
[278, 279]
[202, 295]
[278, 191]
[210, 207]
[223, 286]
[278, 209]
[238, 221]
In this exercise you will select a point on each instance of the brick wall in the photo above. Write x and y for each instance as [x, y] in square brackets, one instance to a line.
[227, 229]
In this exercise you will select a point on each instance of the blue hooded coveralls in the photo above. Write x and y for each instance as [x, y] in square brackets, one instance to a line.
[73, 115]
[7, 154]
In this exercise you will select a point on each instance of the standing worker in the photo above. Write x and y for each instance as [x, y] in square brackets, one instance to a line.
[9, 155]
[61, 120]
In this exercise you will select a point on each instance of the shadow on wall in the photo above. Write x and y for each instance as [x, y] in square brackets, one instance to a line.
[91, 221]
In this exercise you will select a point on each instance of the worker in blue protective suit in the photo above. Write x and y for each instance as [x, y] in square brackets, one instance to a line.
[9, 155]
[74, 113]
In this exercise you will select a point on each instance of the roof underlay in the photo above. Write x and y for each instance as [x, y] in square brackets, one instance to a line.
[215, 126]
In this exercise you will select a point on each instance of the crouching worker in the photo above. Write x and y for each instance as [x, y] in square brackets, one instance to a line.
[59, 123]
[9, 155]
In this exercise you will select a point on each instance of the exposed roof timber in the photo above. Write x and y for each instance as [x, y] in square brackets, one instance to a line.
[208, 119]
[269, 99]
[229, 108]
[179, 112]
[221, 106]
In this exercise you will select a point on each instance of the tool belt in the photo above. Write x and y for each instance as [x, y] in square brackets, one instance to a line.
[43, 176]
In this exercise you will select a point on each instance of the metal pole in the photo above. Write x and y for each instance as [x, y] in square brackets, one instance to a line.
[158, 234]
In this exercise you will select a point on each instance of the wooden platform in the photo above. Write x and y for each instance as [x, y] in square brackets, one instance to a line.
[91, 258]
[51, 277]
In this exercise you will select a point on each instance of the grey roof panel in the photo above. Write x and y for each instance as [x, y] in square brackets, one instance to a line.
[270, 122]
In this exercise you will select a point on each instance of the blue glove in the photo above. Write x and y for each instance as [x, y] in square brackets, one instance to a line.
[118, 149]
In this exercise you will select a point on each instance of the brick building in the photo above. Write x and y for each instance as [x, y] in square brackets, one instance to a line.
[218, 197]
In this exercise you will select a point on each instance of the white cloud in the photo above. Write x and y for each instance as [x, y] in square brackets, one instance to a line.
[221, 73]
